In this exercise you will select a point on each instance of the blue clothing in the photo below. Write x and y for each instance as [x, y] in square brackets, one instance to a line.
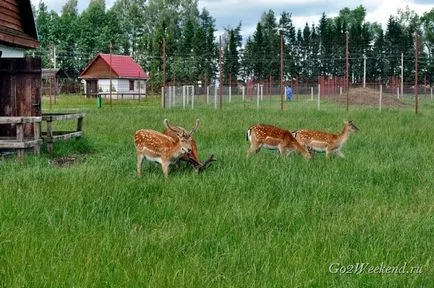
[288, 93]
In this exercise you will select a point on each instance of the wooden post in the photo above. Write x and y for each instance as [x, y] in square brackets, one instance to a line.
[49, 136]
[20, 139]
[79, 124]
[381, 97]
[319, 97]
[37, 136]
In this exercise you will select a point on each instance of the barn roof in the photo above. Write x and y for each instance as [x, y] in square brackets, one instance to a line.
[17, 24]
[53, 73]
[121, 66]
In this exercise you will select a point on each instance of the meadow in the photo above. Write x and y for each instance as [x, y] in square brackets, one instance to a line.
[258, 221]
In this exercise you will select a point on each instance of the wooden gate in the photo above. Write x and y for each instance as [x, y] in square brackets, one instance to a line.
[20, 91]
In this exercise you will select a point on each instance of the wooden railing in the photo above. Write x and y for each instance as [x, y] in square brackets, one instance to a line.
[20, 142]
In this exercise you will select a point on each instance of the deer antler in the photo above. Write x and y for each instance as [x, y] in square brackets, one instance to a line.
[196, 126]
[166, 124]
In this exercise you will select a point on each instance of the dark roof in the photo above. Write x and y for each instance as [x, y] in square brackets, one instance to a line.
[121, 65]
[51, 72]
[17, 24]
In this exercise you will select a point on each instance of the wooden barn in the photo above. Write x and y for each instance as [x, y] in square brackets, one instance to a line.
[128, 80]
[20, 78]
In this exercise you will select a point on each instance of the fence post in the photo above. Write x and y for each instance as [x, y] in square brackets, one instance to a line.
[192, 98]
[431, 92]
[257, 98]
[215, 97]
[162, 97]
[230, 94]
[207, 95]
[183, 96]
[381, 96]
[311, 93]
[319, 96]
[243, 92]
[169, 97]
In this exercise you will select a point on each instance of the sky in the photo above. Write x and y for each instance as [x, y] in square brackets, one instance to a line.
[229, 13]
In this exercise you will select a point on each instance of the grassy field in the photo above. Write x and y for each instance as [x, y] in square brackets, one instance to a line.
[259, 221]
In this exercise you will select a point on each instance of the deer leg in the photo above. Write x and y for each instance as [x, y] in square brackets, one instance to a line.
[329, 153]
[282, 150]
[140, 158]
[165, 167]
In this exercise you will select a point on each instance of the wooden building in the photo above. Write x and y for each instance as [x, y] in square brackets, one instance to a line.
[52, 80]
[20, 78]
[128, 80]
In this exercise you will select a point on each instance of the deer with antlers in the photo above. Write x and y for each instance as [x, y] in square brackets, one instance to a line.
[193, 157]
[158, 147]
[325, 142]
[271, 137]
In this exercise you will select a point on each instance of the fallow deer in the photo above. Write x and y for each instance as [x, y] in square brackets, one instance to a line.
[193, 157]
[158, 147]
[323, 141]
[271, 137]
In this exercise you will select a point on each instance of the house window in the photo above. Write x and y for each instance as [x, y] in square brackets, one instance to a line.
[131, 85]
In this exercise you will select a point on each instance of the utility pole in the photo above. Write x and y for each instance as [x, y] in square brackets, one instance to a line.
[110, 89]
[402, 74]
[220, 74]
[281, 71]
[416, 68]
[364, 70]
[163, 78]
[347, 67]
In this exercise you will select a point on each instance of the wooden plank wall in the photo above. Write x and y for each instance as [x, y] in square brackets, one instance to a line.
[20, 90]
[10, 15]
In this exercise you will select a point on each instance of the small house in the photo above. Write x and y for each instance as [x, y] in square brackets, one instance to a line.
[127, 78]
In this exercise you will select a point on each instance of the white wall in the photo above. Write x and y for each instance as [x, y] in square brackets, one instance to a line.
[11, 52]
[122, 86]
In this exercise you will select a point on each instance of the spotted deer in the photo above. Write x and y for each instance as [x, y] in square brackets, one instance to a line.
[325, 142]
[158, 147]
[271, 137]
[193, 157]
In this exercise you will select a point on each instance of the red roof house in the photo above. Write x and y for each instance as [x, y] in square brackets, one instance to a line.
[127, 77]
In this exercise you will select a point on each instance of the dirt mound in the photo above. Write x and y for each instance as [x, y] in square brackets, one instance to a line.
[371, 97]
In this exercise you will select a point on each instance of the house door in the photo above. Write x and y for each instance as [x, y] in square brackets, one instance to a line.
[20, 90]
[91, 87]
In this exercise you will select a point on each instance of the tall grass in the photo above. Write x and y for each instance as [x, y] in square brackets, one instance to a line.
[259, 221]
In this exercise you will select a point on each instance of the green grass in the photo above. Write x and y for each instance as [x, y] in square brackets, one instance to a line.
[259, 221]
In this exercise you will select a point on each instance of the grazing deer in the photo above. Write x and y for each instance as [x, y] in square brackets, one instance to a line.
[161, 148]
[323, 141]
[193, 156]
[272, 137]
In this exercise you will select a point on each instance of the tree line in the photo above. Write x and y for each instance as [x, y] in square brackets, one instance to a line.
[141, 28]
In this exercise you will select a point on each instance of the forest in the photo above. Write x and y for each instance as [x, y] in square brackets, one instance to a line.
[141, 28]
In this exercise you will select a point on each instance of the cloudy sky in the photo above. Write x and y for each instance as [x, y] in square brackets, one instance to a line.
[228, 13]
